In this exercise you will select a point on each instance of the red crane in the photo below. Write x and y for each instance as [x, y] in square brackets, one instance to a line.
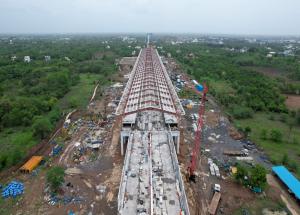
[198, 135]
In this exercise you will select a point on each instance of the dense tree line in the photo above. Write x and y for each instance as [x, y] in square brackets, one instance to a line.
[252, 89]
[30, 93]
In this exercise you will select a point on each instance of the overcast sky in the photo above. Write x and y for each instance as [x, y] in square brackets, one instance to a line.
[264, 17]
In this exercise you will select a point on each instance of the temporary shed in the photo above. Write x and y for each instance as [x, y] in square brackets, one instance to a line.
[31, 164]
[288, 179]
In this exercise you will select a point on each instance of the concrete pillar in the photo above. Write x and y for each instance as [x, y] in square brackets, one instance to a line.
[178, 142]
[122, 145]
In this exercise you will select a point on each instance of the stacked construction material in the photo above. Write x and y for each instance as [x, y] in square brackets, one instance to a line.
[13, 189]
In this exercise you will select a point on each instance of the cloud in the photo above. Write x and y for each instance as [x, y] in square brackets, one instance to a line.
[202, 16]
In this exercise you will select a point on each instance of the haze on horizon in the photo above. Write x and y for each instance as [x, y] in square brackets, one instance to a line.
[255, 17]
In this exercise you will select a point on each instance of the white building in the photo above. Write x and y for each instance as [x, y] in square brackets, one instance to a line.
[47, 58]
[27, 59]
[67, 59]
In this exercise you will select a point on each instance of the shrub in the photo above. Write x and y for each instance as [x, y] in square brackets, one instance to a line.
[283, 118]
[55, 178]
[285, 159]
[292, 165]
[241, 112]
[276, 135]
[242, 173]
[264, 134]
[247, 131]
[271, 117]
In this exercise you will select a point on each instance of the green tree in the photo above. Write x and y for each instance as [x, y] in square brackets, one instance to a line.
[41, 127]
[241, 174]
[55, 178]
[276, 135]
[258, 176]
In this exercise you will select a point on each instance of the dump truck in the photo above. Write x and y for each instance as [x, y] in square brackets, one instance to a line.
[212, 209]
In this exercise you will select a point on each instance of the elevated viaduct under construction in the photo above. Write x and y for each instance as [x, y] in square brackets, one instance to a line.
[151, 182]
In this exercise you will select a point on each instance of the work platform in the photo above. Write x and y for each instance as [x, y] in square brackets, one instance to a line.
[151, 182]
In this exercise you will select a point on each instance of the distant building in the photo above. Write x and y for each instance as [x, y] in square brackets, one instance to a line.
[27, 59]
[288, 53]
[13, 58]
[47, 58]
[108, 47]
[11, 42]
[67, 59]
[244, 50]
[271, 54]
[191, 55]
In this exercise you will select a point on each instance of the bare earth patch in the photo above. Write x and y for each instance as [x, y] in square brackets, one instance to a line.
[293, 102]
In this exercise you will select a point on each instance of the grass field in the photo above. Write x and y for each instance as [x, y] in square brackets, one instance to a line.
[79, 95]
[257, 207]
[275, 151]
[222, 87]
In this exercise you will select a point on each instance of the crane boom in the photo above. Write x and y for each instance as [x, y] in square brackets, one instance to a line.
[198, 135]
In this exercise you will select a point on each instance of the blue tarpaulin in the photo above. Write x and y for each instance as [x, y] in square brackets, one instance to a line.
[288, 179]
[199, 87]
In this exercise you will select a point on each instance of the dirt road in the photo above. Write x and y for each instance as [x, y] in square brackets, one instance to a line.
[285, 196]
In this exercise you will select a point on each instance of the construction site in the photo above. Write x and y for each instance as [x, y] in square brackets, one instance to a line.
[141, 149]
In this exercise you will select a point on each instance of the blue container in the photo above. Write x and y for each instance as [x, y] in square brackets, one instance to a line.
[199, 87]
